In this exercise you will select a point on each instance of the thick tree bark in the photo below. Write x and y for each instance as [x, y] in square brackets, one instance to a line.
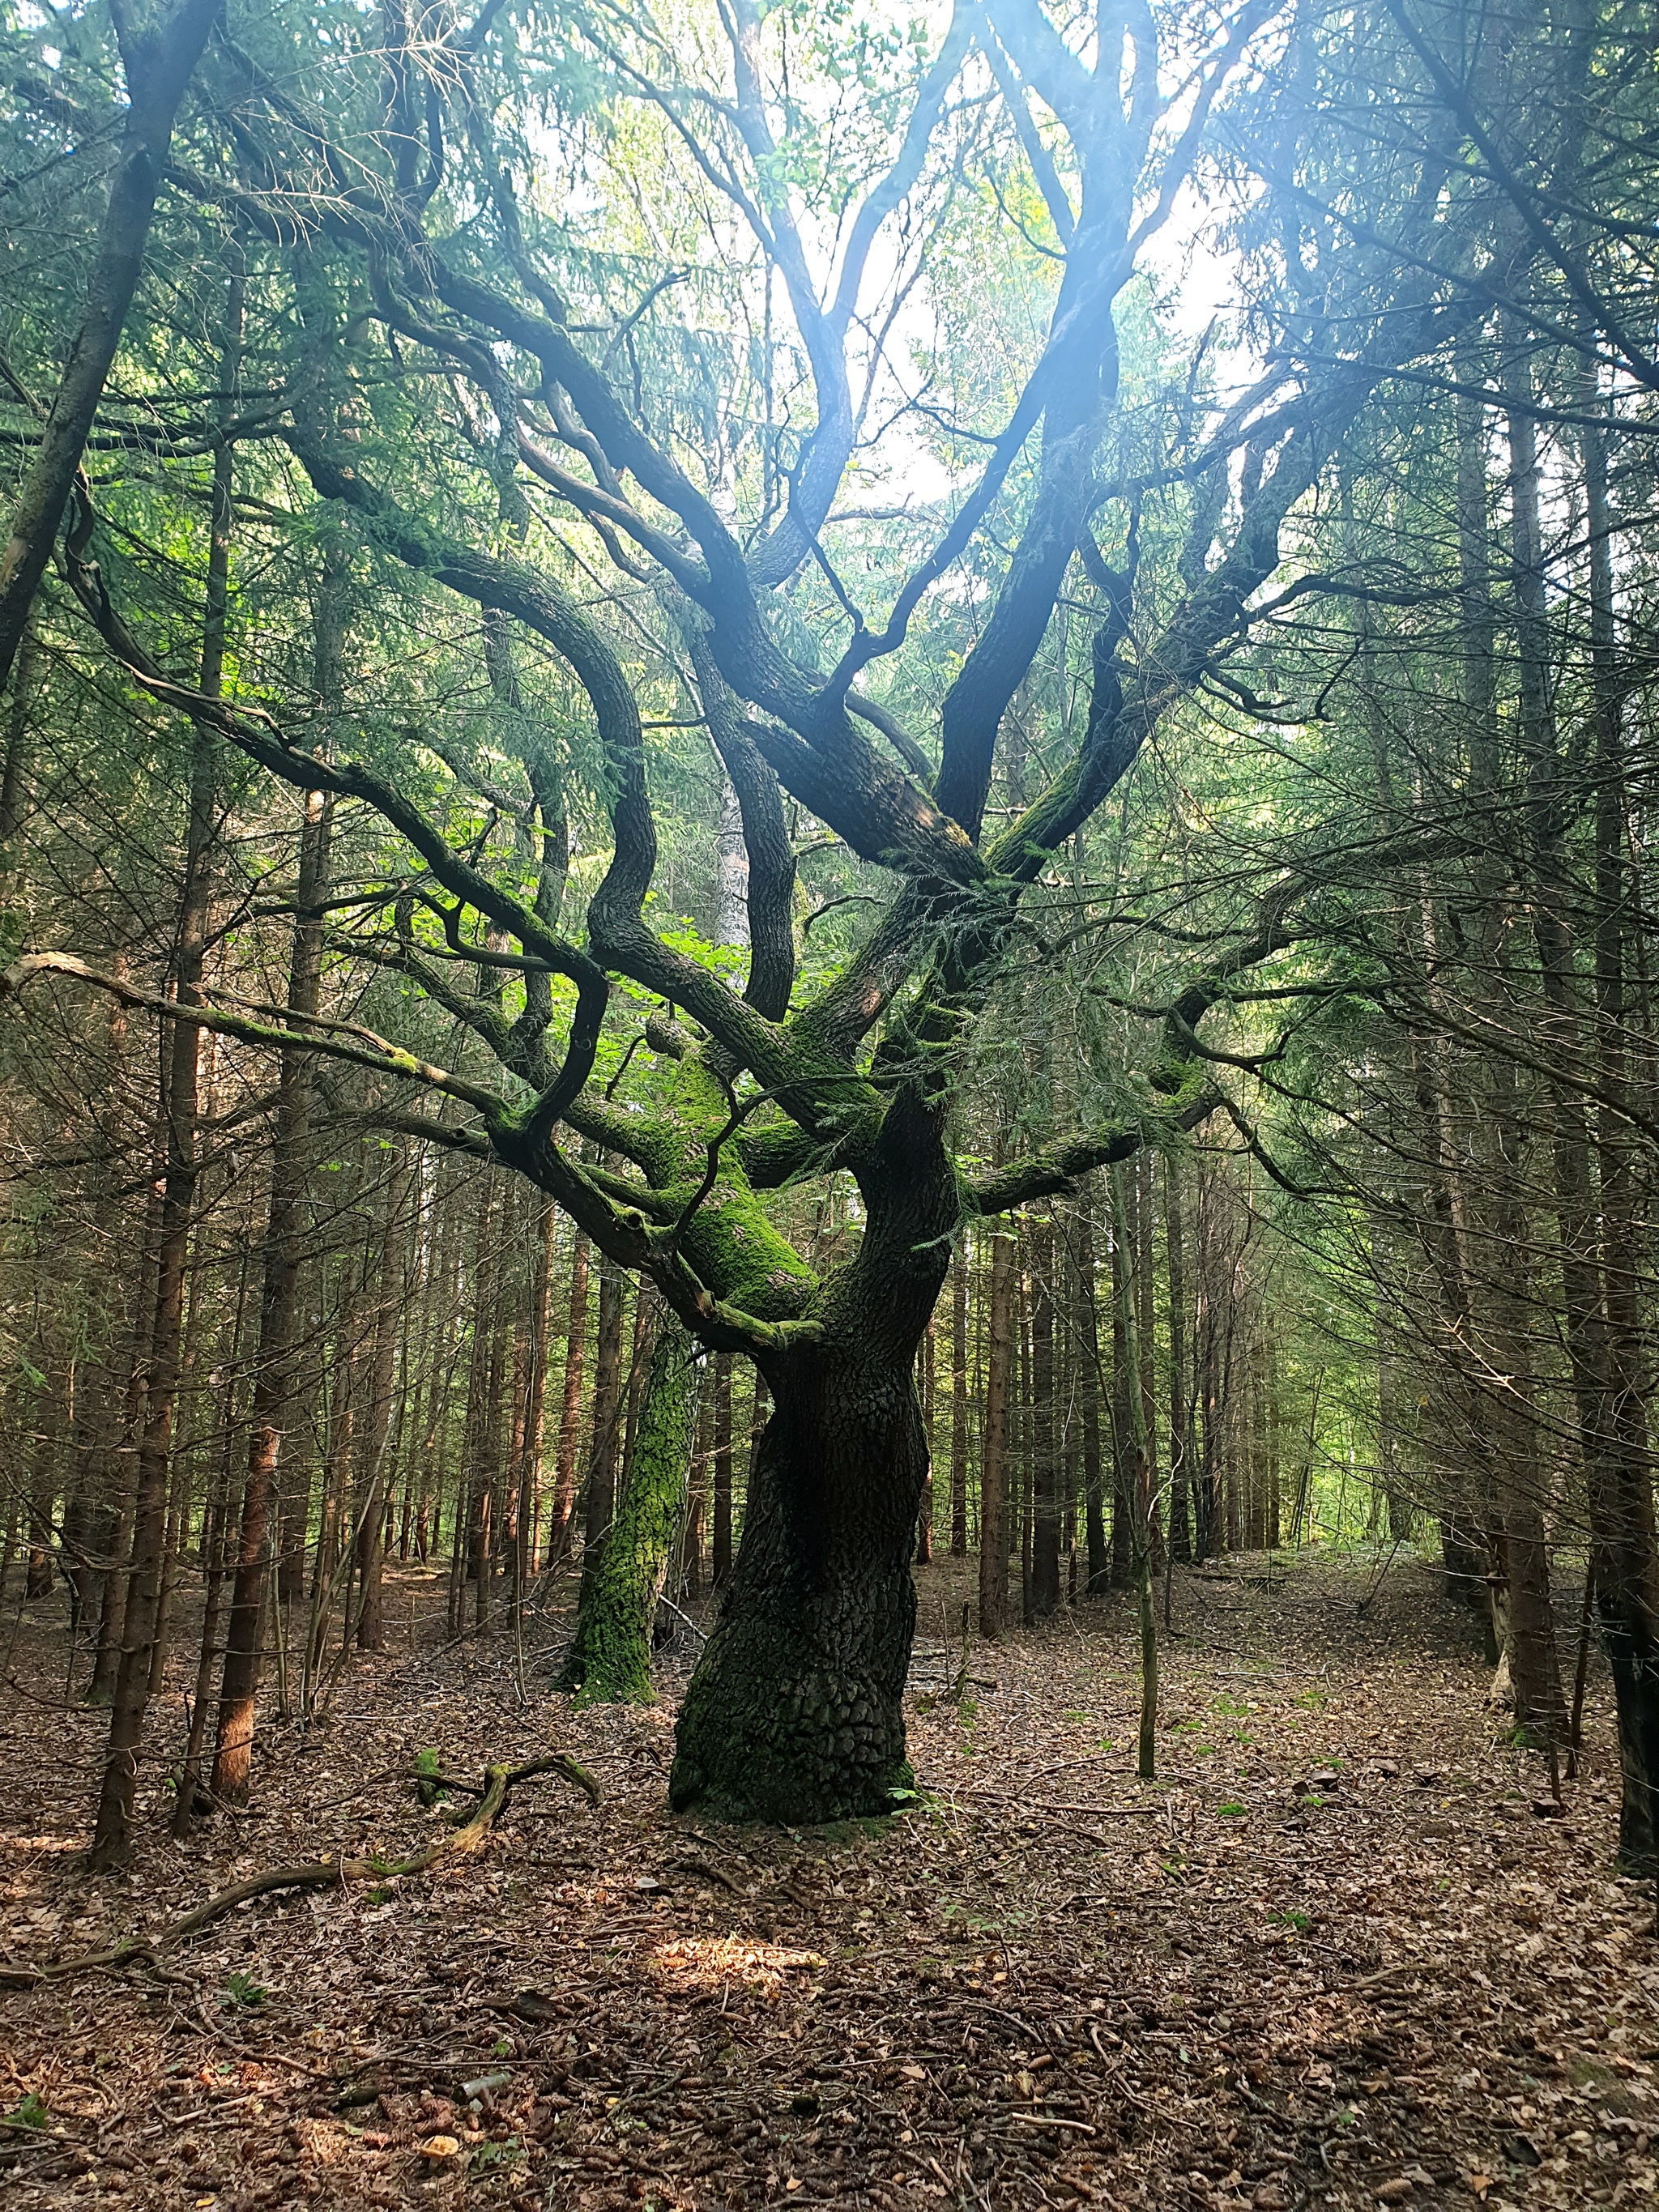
[795, 1712]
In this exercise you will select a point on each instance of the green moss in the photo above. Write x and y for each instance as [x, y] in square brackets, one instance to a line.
[609, 1662]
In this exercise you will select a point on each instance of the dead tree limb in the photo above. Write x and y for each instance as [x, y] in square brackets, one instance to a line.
[492, 1794]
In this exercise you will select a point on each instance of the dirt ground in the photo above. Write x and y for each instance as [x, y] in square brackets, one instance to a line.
[1042, 1983]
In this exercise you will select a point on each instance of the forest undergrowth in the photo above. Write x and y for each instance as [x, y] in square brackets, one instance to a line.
[1333, 1955]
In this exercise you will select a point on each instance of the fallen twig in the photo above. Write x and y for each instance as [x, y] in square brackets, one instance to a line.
[312, 1873]
[709, 1873]
[1048, 1805]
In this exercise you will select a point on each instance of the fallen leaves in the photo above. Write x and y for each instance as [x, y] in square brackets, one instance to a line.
[1117, 1994]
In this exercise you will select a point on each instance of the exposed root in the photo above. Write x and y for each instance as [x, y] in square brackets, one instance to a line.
[318, 1874]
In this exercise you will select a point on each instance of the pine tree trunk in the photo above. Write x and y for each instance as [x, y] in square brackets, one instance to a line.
[1125, 1402]
[13, 788]
[124, 1463]
[118, 1794]
[539, 1321]
[599, 1503]
[279, 1299]
[48, 1431]
[1045, 1457]
[375, 1435]
[1145, 1326]
[959, 1401]
[696, 1498]
[994, 1519]
[1625, 1560]
[564, 1470]
[1180, 1395]
[1085, 1329]
[142, 1648]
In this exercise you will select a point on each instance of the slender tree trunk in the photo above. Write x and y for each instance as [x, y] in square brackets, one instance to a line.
[119, 1789]
[161, 84]
[124, 1466]
[539, 1319]
[14, 787]
[1124, 1286]
[158, 64]
[696, 1498]
[374, 1438]
[1625, 1560]
[1145, 1327]
[279, 1297]
[47, 1423]
[599, 1503]
[213, 1552]
[1125, 1398]
[993, 1450]
[1180, 1539]
[925, 1385]
[564, 1473]
[643, 1304]
[1086, 1330]
[959, 1401]
[1045, 1459]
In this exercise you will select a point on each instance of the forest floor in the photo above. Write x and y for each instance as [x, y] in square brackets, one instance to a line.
[1043, 1983]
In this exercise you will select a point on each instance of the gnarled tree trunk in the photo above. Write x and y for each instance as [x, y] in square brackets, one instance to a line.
[795, 1712]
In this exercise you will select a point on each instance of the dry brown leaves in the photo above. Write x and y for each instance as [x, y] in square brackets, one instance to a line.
[1045, 1984]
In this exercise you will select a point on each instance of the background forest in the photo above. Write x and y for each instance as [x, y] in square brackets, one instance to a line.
[787, 787]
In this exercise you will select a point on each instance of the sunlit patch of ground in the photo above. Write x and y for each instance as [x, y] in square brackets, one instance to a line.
[1331, 1957]
[729, 1962]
